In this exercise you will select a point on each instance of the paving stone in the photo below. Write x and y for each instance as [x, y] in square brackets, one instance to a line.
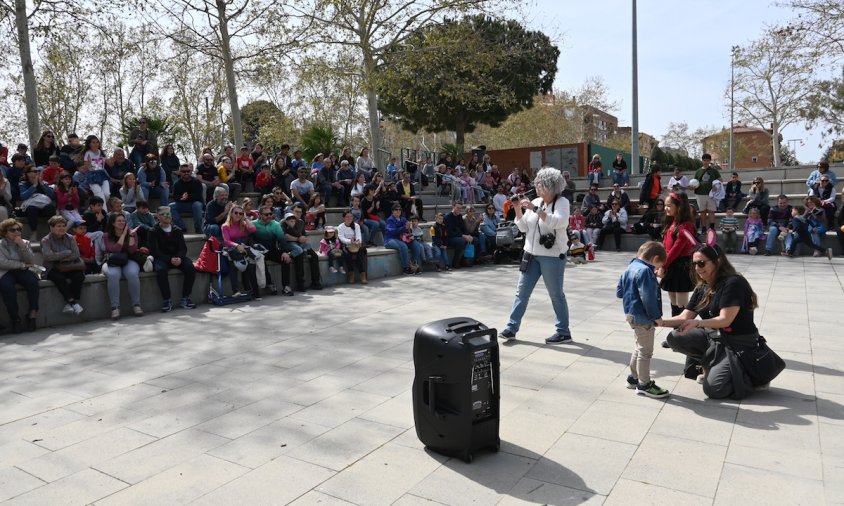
[629, 423]
[484, 481]
[343, 445]
[234, 424]
[528, 491]
[628, 492]
[750, 486]
[382, 476]
[14, 482]
[583, 463]
[84, 487]
[658, 462]
[178, 485]
[268, 442]
[139, 464]
[77, 457]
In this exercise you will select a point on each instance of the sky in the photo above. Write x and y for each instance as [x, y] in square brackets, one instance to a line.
[683, 51]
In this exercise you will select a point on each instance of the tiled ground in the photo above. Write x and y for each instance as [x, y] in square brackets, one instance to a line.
[307, 400]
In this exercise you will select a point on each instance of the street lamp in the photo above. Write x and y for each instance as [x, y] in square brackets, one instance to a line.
[793, 146]
[733, 53]
[634, 128]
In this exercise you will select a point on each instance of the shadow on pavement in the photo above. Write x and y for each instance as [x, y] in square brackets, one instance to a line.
[521, 474]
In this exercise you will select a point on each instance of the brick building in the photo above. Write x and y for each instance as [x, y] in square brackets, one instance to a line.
[753, 147]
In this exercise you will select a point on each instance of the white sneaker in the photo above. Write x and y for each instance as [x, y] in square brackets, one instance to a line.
[115, 313]
[137, 311]
[148, 264]
[342, 270]
[77, 309]
[67, 309]
[752, 250]
[332, 270]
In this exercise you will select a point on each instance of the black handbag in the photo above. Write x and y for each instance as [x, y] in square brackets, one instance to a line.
[760, 363]
[119, 259]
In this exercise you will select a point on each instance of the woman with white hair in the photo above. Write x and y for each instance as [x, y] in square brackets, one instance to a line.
[544, 223]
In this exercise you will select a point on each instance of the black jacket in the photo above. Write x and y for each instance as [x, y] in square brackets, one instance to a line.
[455, 226]
[164, 246]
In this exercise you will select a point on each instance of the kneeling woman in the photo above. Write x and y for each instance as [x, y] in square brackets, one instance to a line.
[724, 301]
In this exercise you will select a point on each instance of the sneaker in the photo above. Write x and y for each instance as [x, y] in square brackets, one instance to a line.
[665, 344]
[258, 299]
[632, 381]
[767, 253]
[829, 253]
[166, 306]
[273, 289]
[77, 309]
[287, 291]
[817, 254]
[186, 303]
[700, 378]
[148, 264]
[137, 311]
[316, 286]
[115, 313]
[507, 335]
[558, 339]
[237, 294]
[332, 270]
[752, 250]
[67, 309]
[651, 390]
[342, 270]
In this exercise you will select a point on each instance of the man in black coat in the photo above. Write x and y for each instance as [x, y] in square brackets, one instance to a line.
[457, 233]
[169, 251]
[408, 198]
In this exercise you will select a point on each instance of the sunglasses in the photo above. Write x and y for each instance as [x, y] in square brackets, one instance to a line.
[237, 213]
[165, 215]
[824, 180]
[267, 215]
[700, 263]
[15, 229]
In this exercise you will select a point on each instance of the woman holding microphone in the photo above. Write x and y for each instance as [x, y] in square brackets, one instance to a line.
[544, 221]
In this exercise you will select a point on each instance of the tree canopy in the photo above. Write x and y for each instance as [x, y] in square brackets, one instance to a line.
[477, 70]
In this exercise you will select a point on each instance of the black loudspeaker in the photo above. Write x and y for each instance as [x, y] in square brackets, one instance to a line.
[456, 399]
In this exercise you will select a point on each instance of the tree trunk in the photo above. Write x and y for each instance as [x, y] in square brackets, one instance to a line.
[775, 137]
[460, 135]
[228, 65]
[375, 135]
[33, 124]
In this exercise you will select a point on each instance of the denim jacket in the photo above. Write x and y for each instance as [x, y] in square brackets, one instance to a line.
[639, 291]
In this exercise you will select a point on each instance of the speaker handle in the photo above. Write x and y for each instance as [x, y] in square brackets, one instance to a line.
[432, 395]
[492, 333]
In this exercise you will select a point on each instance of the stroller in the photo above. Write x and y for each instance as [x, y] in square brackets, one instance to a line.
[509, 241]
[214, 259]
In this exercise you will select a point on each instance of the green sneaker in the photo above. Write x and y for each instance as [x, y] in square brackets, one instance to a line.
[651, 390]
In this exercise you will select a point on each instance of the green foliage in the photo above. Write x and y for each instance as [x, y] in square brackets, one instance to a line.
[316, 140]
[164, 129]
[457, 75]
[257, 115]
[455, 150]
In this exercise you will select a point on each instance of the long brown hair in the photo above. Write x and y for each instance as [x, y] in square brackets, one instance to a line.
[683, 213]
[723, 270]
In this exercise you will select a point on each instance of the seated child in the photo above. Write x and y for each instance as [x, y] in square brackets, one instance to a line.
[418, 236]
[729, 225]
[754, 232]
[577, 250]
[439, 238]
[331, 248]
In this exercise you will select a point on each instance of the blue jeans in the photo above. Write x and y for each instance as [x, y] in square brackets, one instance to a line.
[176, 208]
[595, 178]
[213, 231]
[162, 193]
[441, 254]
[773, 233]
[620, 179]
[374, 226]
[417, 251]
[401, 247]
[552, 271]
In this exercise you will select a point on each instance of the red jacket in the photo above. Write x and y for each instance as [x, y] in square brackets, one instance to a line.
[682, 246]
[86, 247]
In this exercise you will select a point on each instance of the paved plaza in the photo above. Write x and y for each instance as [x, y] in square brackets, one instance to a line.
[307, 400]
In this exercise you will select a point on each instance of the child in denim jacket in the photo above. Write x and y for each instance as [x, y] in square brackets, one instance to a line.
[641, 298]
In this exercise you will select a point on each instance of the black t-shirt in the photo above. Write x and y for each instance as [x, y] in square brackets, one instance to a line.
[730, 292]
[206, 173]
